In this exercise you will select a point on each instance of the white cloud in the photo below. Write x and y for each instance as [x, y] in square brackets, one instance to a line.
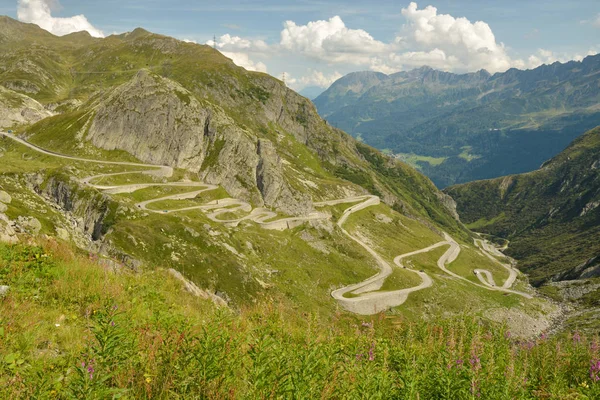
[188, 40]
[449, 43]
[39, 12]
[426, 37]
[239, 50]
[330, 41]
[543, 56]
[244, 61]
[314, 78]
[595, 21]
[236, 44]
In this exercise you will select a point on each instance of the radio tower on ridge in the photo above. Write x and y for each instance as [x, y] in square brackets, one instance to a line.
[215, 42]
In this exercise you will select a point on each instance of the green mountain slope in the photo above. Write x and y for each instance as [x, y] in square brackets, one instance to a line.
[72, 328]
[551, 216]
[256, 197]
[459, 128]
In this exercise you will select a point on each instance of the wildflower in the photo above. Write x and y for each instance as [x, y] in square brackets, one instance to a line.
[112, 323]
[367, 324]
[544, 336]
[584, 385]
[576, 337]
[595, 370]
[359, 357]
[148, 379]
[529, 345]
[507, 335]
[372, 352]
[91, 371]
[459, 362]
[475, 362]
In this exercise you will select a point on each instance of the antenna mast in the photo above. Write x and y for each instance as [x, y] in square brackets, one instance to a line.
[215, 42]
[283, 79]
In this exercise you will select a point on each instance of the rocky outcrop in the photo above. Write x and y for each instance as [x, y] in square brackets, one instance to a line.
[192, 288]
[272, 185]
[17, 109]
[160, 122]
[587, 269]
[154, 119]
[92, 210]
[449, 203]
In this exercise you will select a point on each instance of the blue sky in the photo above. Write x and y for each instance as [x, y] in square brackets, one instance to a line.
[323, 40]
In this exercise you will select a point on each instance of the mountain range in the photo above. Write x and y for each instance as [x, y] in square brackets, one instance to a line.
[252, 194]
[460, 128]
[173, 225]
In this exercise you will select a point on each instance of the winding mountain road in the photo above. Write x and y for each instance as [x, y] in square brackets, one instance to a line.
[365, 297]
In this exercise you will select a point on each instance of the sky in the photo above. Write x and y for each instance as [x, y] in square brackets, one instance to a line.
[315, 42]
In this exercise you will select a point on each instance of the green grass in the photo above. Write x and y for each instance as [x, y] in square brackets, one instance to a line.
[390, 239]
[470, 259]
[199, 200]
[154, 192]
[415, 160]
[72, 329]
[466, 154]
[483, 222]
[400, 279]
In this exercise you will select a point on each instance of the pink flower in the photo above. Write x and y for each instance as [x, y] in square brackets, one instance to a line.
[595, 370]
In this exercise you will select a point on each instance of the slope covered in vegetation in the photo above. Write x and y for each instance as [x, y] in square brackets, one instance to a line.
[74, 327]
[551, 216]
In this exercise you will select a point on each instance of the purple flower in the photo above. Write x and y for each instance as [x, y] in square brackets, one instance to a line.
[359, 357]
[507, 335]
[475, 362]
[595, 370]
[112, 323]
[372, 352]
[529, 345]
[459, 362]
[90, 370]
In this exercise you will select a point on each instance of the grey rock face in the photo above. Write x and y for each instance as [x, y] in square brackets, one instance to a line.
[7, 231]
[449, 203]
[4, 290]
[30, 225]
[5, 197]
[16, 108]
[160, 122]
[154, 119]
[90, 208]
[272, 185]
